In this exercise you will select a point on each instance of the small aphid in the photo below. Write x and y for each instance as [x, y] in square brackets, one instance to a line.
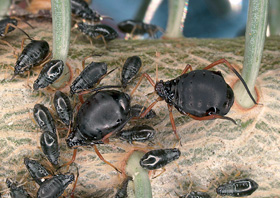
[137, 109]
[55, 186]
[63, 107]
[50, 147]
[130, 69]
[155, 159]
[44, 118]
[195, 194]
[15, 191]
[32, 55]
[122, 191]
[137, 133]
[51, 71]
[36, 170]
[88, 77]
[237, 188]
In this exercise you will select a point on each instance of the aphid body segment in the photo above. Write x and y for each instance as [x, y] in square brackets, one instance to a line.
[81, 9]
[138, 133]
[237, 188]
[88, 77]
[44, 118]
[4, 23]
[155, 159]
[102, 113]
[130, 69]
[55, 186]
[32, 55]
[50, 147]
[51, 71]
[98, 31]
[36, 170]
[63, 107]
[15, 191]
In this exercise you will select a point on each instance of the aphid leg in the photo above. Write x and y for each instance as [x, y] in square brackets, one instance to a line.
[163, 170]
[90, 40]
[141, 78]
[7, 43]
[12, 25]
[142, 115]
[172, 121]
[72, 160]
[75, 183]
[234, 71]
[188, 67]
[101, 36]
[102, 158]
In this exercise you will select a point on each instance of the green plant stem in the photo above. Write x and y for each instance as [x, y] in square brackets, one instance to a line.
[175, 15]
[142, 185]
[61, 16]
[254, 42]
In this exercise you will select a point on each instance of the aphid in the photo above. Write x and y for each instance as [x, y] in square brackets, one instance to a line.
[130, 69]
[80, 8]
[44, 118]
[55, 186]
[137, 109]
[15, 191]
[134, 27]
[102, 114]
[138, 133]
[201, 94]
[32, 55]
[98, 31]
[92, 74]
[156, 159]
[36, 170]
[50, 147]
[122, 191]
[63, 107]
[8, 25]
[237, 188]
[51, 71]
[195, 194]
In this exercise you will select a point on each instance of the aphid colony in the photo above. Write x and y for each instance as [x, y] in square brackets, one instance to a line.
[106, 111]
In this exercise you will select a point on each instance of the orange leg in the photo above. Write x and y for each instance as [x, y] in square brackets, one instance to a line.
[72, 160]
[142, 115]
[75, 184]
[172, 121]
[102, 158]
[234, 71]
[141, 78]
[188, 67]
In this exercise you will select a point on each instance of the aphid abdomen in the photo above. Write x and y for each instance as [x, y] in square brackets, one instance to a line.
[50, 147]
[155, 159]
[63, 107]
[130, 69]
[54, 187]
[201, 91]
[44, 118]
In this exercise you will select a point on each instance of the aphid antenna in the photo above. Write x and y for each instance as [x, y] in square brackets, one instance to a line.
[104, 87]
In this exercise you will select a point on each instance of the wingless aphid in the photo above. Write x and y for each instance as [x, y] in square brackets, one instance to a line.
[51, 71]
[36, 170]
[98, 31]
[156, 159]
[32, 55]
[237, 188]
[50, 147]
[201, 94]
[44, 118]
[55, 186]
[63, 107]
[80, 8]
[130, 69]
[16, 191]
[138, 133]
[135, 27]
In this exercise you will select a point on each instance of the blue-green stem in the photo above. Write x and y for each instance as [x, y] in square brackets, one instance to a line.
[142, 185]
[273, 17]
[4, 6]
[177, 10]
[61, 20]
[254, 42]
